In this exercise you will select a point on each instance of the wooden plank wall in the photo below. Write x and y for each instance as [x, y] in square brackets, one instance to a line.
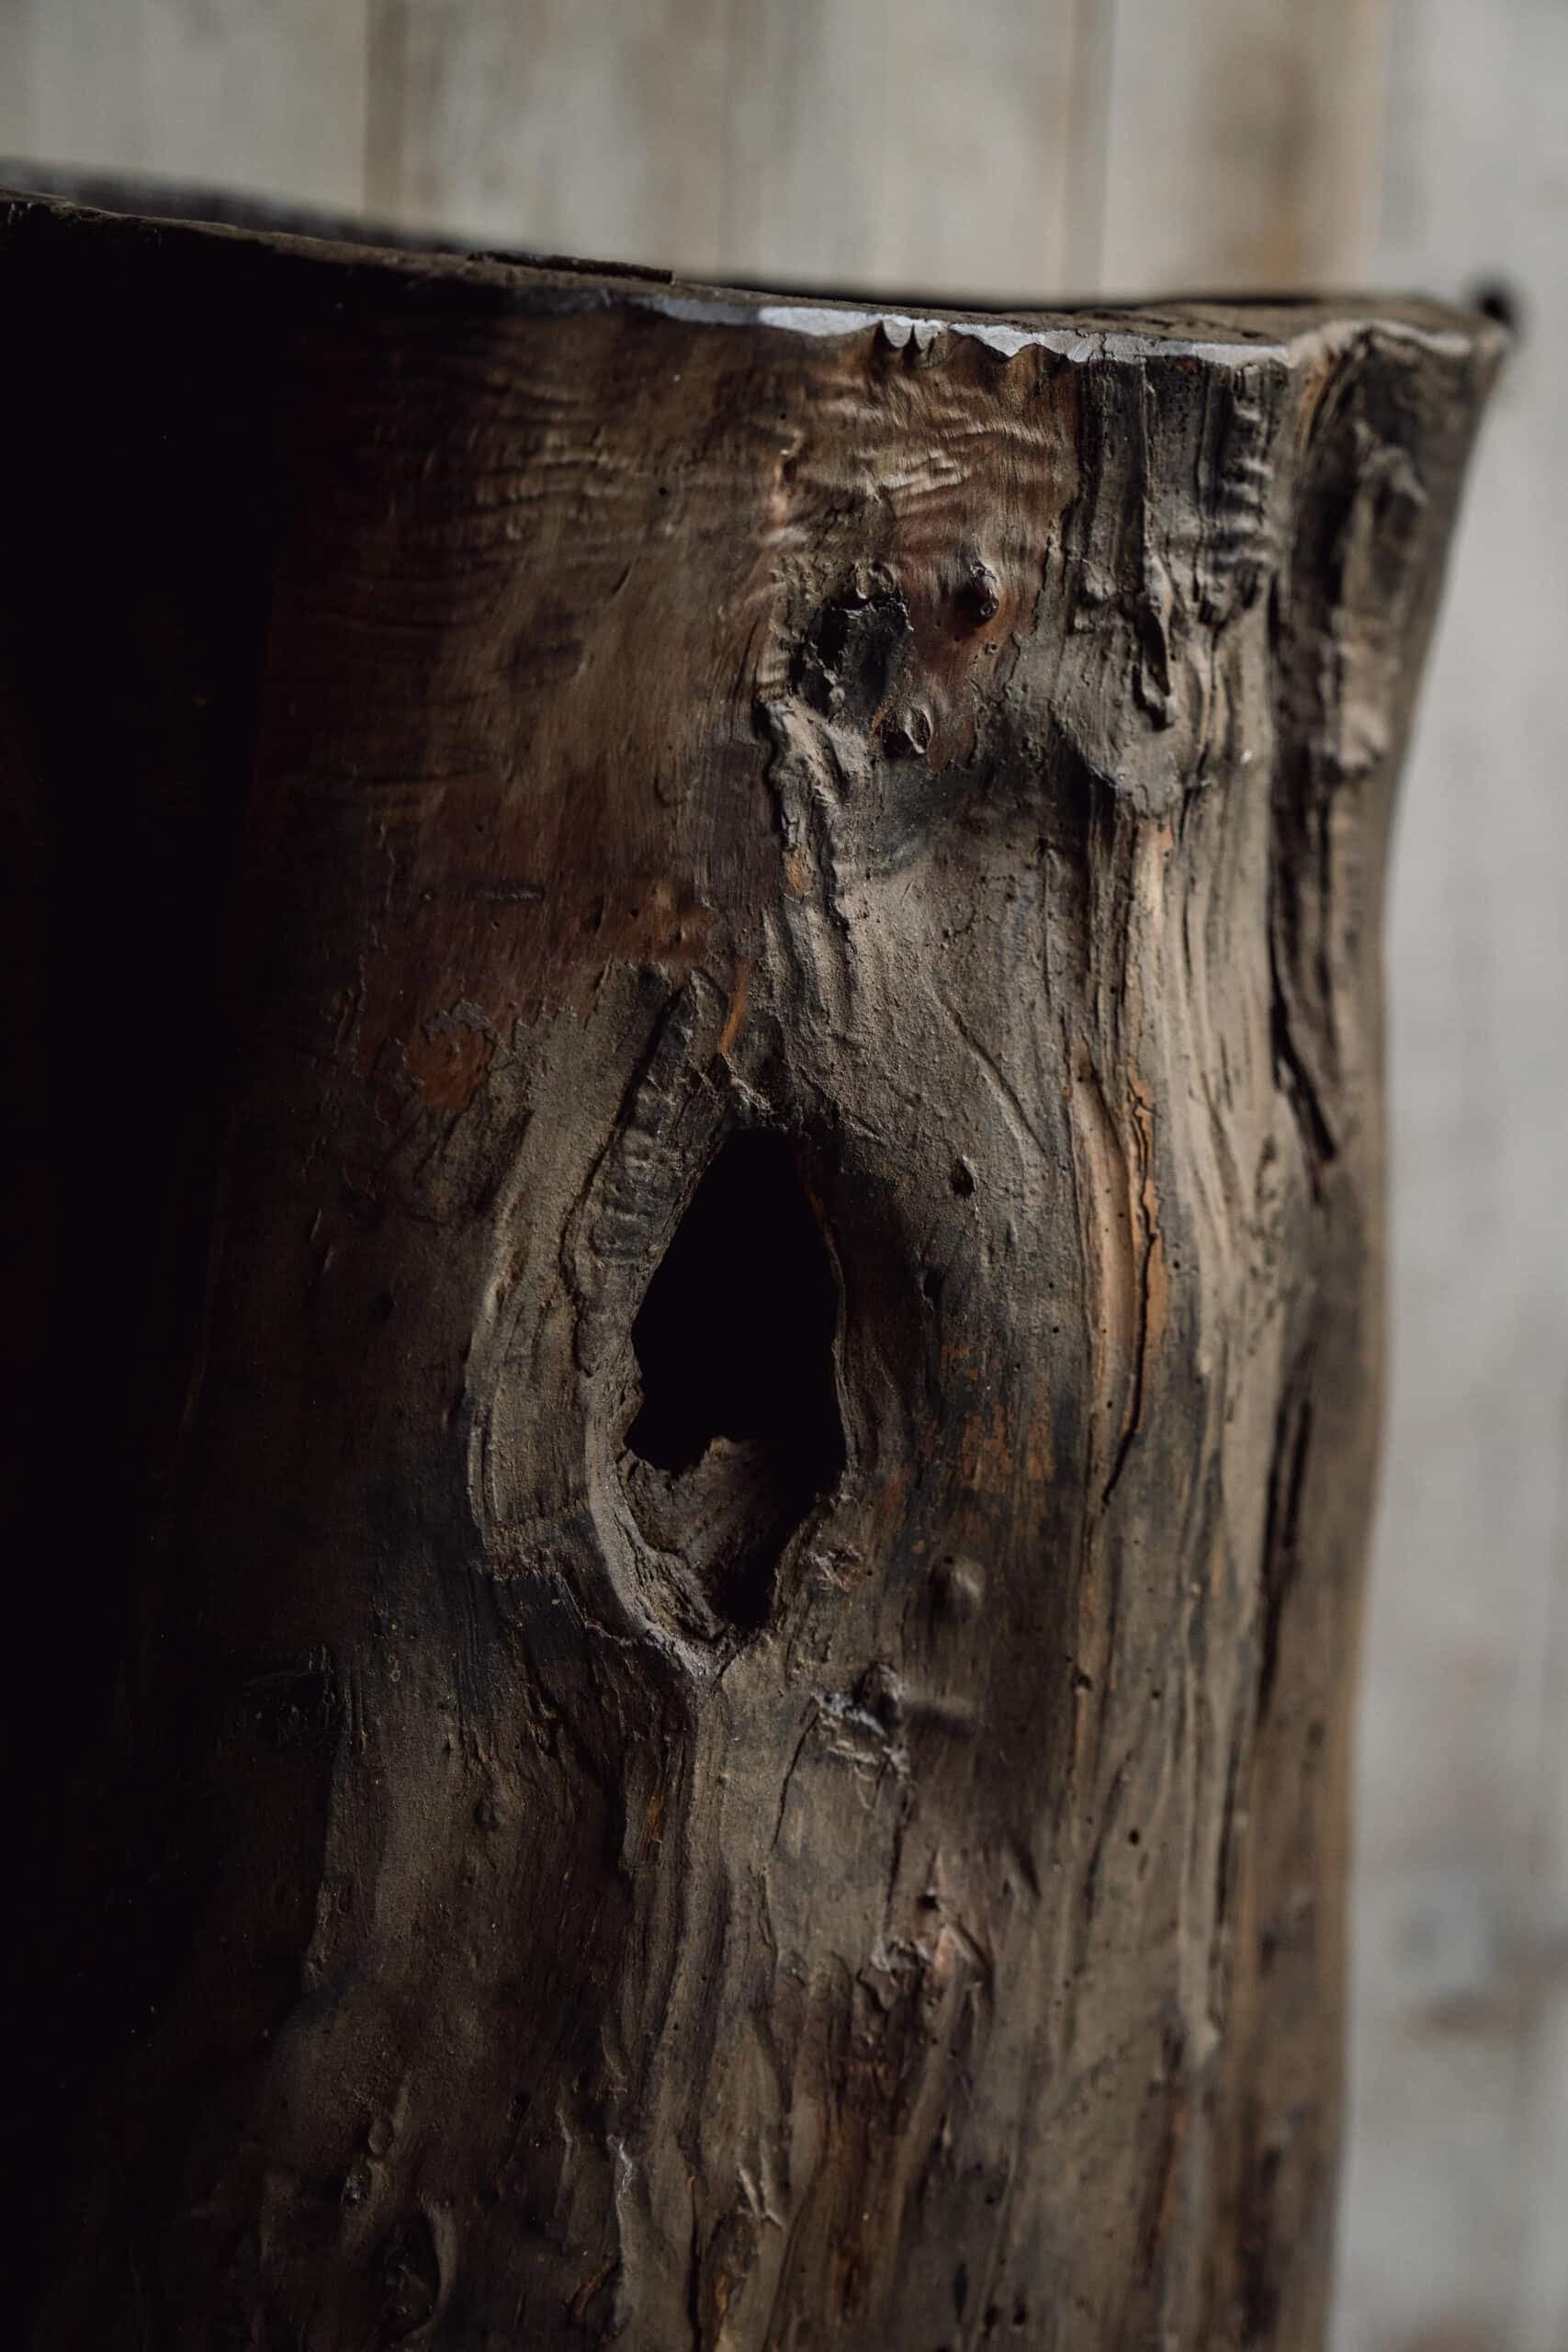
[890, 140]
[1009, 148]
[266, 98]
[999, 147]
[1455, 2218]
[1242, 140]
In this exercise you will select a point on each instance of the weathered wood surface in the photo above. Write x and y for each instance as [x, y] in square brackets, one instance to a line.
[885, 822]
[1201, 144]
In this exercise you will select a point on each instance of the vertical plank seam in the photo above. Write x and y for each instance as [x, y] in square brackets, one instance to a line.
[386, 74]
[1088, 130]
[722, 244]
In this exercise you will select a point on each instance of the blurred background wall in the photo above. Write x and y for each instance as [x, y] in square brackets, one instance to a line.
[1018, 149]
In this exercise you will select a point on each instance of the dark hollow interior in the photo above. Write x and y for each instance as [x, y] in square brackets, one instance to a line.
[734, 1340]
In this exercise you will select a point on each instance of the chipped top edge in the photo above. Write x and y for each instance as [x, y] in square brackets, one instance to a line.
[1219, 329]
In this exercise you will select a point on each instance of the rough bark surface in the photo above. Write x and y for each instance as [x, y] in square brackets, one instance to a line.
[726, 954]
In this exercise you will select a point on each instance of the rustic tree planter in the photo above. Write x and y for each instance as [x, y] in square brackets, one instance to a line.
[709, 967]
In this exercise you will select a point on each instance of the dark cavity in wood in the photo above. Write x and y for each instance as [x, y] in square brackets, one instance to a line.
[737, 1435]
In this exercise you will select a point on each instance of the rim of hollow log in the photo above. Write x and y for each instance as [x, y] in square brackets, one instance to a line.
[1209, 327]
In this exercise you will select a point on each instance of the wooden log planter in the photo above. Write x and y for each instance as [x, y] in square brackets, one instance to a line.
[698, 975]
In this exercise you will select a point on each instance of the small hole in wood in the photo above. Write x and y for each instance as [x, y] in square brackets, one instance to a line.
[739, 1434]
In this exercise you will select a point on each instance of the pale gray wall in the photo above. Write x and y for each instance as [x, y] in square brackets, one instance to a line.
[1455, 2220]
[1011, 147]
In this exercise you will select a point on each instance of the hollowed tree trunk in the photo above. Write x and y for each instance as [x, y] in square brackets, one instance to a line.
[711, 967]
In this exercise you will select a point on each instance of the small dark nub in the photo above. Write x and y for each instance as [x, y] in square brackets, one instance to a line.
[977, 597]
[1498, 300]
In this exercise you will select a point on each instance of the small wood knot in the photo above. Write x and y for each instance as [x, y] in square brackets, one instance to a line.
[880, 1693]
[907, 736]
[959, 1586]
[1499, 301]
[977, 596]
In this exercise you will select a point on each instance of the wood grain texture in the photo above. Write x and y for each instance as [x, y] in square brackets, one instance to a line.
[606, 1852]
[932, 145]
[809, 135]
[841, 141]
[1242, 144]
[1457, 2184]
[269, 99]
[1240, 147]
[562, 126]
